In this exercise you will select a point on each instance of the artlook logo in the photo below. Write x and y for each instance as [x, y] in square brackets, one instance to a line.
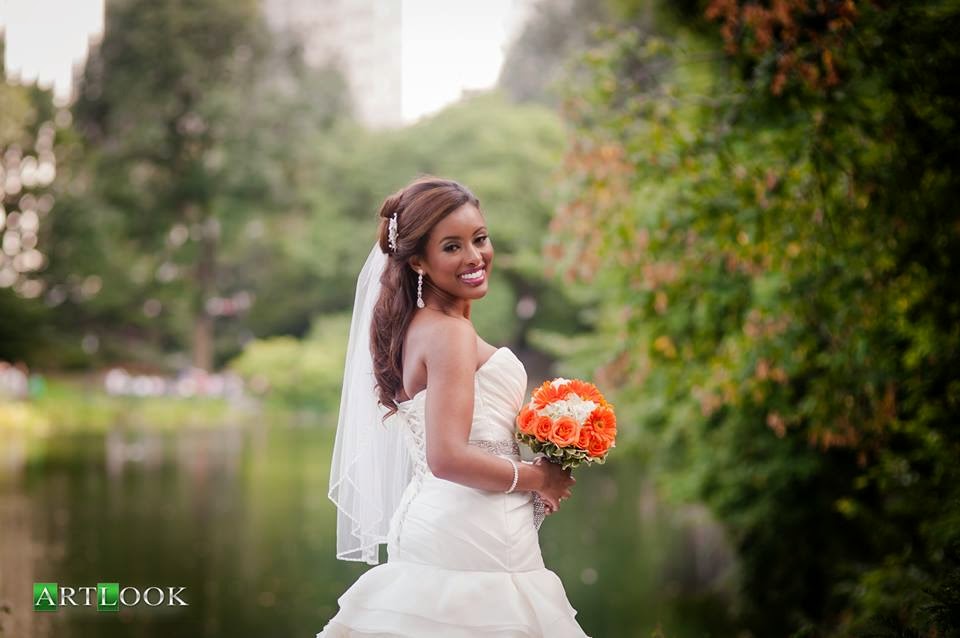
[109, 596]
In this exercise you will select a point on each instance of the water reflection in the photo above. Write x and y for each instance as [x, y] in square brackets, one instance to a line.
[239, 516]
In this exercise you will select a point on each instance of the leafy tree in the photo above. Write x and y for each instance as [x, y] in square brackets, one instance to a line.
[30, 139]
[191, 121]
[765, 216]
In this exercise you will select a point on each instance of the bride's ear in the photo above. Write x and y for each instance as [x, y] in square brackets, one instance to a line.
[415, 263]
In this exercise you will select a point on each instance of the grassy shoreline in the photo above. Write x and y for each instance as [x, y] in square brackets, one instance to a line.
[76, 404]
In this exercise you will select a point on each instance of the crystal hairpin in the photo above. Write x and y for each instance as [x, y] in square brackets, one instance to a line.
[392, 233]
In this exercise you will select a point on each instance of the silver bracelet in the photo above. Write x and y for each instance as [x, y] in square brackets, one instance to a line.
[516, 474]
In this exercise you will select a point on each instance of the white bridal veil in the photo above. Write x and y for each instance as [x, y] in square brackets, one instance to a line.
[371, 467]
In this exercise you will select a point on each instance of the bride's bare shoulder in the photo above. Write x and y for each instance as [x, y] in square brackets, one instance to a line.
[443, 342]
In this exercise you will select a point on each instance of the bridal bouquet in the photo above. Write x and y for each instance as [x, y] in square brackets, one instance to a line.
[569, 421]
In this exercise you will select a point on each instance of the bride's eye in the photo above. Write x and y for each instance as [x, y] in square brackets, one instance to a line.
[482, 239]
[450, 247]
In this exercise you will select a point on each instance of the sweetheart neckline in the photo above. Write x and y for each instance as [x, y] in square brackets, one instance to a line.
[482, 366]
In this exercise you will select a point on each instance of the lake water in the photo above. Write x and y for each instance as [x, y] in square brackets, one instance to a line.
[239, 517]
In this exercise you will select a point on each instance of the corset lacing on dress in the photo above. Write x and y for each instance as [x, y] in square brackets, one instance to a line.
[414, 434]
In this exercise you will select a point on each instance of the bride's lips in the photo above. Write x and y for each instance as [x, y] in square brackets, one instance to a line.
[477, 279]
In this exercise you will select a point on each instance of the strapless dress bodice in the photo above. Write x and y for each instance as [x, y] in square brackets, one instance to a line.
[499, 388]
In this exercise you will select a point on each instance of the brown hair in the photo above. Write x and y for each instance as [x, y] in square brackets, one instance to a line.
[419, 207]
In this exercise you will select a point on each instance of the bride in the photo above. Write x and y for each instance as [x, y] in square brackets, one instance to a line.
[425, 458]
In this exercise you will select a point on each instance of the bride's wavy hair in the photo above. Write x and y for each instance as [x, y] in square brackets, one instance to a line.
[419, 207]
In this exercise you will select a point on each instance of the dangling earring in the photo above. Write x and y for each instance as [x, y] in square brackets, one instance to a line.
[420, 303]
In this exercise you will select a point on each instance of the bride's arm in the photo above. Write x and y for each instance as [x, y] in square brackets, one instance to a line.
[451, 367]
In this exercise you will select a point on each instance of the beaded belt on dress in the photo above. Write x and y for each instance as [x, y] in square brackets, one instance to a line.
[510, 446]
[506, 446]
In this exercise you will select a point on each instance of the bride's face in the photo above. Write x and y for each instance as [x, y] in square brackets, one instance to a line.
[459, 254]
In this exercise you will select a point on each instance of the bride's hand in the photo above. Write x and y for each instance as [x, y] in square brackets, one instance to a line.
[556, 484]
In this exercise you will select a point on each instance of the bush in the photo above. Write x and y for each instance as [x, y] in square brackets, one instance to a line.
[301, 373]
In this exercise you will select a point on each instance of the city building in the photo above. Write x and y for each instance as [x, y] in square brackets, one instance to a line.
[363, 37]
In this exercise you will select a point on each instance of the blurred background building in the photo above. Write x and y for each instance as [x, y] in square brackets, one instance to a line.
[363, 37]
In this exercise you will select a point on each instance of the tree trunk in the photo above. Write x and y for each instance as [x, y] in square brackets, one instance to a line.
[203, 341]
[203, 332]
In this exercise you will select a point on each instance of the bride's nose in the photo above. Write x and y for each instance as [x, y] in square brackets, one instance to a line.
[474, 258]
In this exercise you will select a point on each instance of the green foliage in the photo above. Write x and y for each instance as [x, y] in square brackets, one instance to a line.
[304, 373]
[570, 457]
[29, 142]
[191, 164]
[779, 276]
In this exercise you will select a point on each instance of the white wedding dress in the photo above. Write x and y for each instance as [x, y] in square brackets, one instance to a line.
[461, 562]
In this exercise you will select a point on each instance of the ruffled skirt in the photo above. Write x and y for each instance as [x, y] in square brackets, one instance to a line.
[400, 599]
[462, 563]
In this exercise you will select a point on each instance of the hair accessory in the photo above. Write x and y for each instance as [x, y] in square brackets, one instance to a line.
[392, 233]
[420, 303]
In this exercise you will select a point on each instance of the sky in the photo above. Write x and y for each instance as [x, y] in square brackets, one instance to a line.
[453, 45]
[45, 38]
[448, 46]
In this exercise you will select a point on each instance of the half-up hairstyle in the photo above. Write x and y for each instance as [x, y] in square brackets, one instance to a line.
[419, 207]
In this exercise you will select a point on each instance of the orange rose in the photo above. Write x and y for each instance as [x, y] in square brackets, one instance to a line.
[526, 420]
[566, 432]
[604, 423]
[586, 435]
[598, 446]
[543, 427]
